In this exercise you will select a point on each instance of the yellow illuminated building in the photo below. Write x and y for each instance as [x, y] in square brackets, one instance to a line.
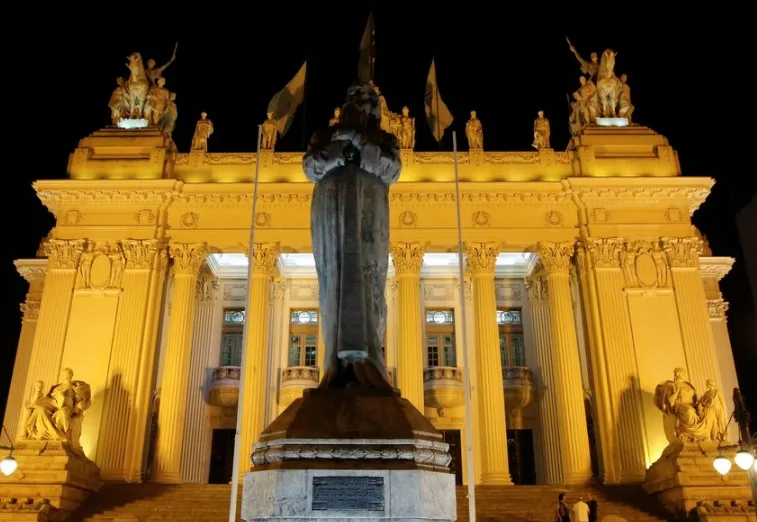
[586, 285]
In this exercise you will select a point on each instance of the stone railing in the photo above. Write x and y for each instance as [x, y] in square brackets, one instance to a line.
[294, 380]
[224, 386]
[518, 382]
[443, 387]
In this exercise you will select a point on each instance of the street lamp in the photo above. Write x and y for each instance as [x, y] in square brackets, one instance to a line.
[9, 464]
[747, 446]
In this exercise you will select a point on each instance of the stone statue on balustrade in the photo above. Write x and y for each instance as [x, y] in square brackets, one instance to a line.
[203, 131]
[407, 130]
[687, 417]
[603, 98]
[474, 132]
[337, 117]
[541, 132]
[58, 415]
[352, 165]
[269, 133]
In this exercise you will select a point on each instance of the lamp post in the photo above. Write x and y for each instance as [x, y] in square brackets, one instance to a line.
[746, 457]
[9, 464]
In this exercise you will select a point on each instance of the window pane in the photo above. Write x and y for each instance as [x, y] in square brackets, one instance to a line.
[503, 349]
[519, 351]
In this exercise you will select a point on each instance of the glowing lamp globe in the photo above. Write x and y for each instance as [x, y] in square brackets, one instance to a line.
[722, 465]
[744, 460]
[8, 465]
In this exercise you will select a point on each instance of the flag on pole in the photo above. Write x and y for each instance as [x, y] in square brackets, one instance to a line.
[437, 113]
[284, 103]
[367, 52]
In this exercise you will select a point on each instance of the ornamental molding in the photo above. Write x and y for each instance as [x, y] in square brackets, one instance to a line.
[55, 195]
[716, 267]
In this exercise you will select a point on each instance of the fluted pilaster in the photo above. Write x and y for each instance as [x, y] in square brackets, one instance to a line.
[34, 271]
[481, 260]
[698, 341]
[187, 260]
[549, 430]
[263, 258]
[197, 430]
[408, 259]
[114, 447]
[54, 311]
[571, 413]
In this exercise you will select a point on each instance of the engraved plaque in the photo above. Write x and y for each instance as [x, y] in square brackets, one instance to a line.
[348, 493]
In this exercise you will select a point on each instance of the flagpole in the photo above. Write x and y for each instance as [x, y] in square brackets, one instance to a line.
[464, 322]
[245, 333]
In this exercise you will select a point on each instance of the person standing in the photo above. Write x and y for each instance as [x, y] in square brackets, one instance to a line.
[593, 515]
[580, 511]
[562, 514]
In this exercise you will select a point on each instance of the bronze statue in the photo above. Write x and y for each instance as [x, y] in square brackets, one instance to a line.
[352, 165]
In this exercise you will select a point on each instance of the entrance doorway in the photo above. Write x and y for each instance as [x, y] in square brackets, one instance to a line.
[520, 456]
[452, 437]
[221, 457]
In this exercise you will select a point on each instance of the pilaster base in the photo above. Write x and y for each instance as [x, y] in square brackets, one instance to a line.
[686, 483]
[496, 479]
[50, 482]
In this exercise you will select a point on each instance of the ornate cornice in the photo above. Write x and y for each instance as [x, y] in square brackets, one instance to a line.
[31, 269]
[421, 158]
[716, 267]
[400, 196]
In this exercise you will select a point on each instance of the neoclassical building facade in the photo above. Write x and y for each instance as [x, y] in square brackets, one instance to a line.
[585, 285]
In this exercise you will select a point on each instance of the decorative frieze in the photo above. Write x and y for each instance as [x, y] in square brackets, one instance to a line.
[101, 266]
[644, 264]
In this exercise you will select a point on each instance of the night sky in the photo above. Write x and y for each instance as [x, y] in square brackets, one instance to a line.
[506, 65]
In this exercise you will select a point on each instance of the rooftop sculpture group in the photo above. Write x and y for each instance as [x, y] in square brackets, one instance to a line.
[602, 98]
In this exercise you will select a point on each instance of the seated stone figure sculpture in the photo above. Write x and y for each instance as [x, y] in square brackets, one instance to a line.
[58, 415]
[687, 417]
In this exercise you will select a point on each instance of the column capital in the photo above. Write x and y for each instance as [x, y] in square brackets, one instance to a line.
[187, 257]
[555, 257]
[207, 284]
[264, 256]
[682, 252]
[407, 257]
[717, 308]
[603, 252]
[139, 253]
[31, 273]
[30, 311]
[481, 258]
[63, 253]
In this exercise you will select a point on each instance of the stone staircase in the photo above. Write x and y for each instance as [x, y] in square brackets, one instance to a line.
[210, 503]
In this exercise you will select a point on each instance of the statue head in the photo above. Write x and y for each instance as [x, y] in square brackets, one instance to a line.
[582, 80]
[38, 386]
[269, 115]
[472, 115]
[203, 115]
[362, 108]
[594, 57]
[337, 112]
[624, 77]
[135, 60]
[66, 375]
[608, 61]
[121, 81]
[151, 63]
[540, 114]
[172, 96]
[161, 82]
[679, 374]
[406, 111]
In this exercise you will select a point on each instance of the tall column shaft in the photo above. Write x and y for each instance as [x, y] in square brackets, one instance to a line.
[691, 302]
[114, 445]
[34, 271]
[481, 260]
[187, 259]
[408, 259]
[549, 429]
[54, 310]
[263, 258]
[279, 346]
[195, 460]
[571, 413]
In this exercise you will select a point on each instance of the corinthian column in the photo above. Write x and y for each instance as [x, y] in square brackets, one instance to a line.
[696, 333]
[263, 258]
[34, 271]
[54, 310]
[571, 414]
[197, 430]
[408, 259]
[481, 259]
[549, 429]
[187, 260]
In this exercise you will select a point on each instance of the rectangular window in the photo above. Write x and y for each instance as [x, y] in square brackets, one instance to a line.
[231, 337]
[303, 338]
[511, 345]
[440, 338]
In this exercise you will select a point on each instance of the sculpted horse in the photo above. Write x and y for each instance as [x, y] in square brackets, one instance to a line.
[609, 87]
[137, 86]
